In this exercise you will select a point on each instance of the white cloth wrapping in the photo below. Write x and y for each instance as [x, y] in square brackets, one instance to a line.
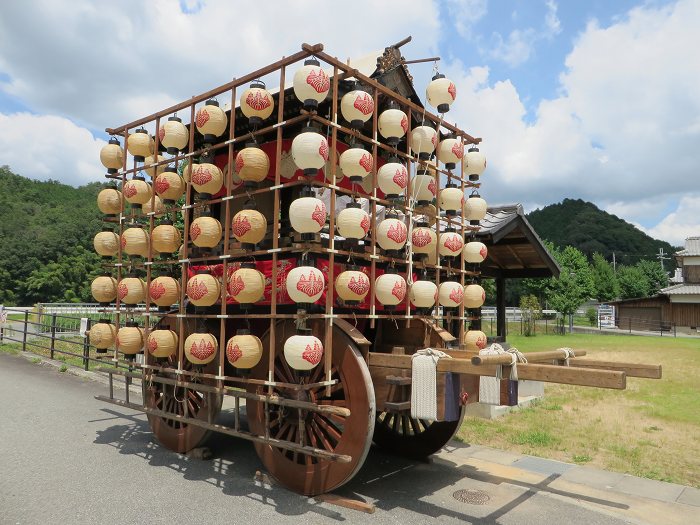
[490, 387]
[424, 383]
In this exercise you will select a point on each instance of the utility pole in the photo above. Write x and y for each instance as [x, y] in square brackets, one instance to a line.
[661, 258]
[614, 264]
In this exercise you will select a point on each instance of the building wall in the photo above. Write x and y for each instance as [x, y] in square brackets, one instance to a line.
[686, 314]
[691, 274]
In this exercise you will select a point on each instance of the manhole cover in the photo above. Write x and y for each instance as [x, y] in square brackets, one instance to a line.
[471, 496]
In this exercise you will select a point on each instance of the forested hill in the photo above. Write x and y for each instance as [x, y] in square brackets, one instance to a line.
[583, 225]
[46, 231]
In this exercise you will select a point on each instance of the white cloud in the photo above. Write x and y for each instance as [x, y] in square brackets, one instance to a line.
[551, 20]
[46, 146]
[682, 223]
[465, 14]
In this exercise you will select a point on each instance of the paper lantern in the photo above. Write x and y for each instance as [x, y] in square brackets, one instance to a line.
[252, 164]
[188, 169]
[392, 178]
[205, 232]
[423, 294]
[246, 285]
[357, 108]
[353, 222]
[106, 243]
[102, 335]
[303, 352]
[109, 201]
[153, 171]
[244, 350]
[164, 291]
[257, 103]
[207, 179]
[393, 124]
[305, 284]
[134, 242]
[249, 226]
[451, 244]
[356, 163]
[474, 208]
[131, 290]
[169, 185]
[423, 187]
[474, 296]
[137, 191]
[441, 92]
[475, 252]
[211, 121]
[104, 289]
[474, 163]
[130, 339]
[423, 141]
[423, 240]
[309, 151]
[162, 343]
[166, 238]
[450, 294]
[352, 286]
[392, 234]
[173, 135]
[390, 289]
[201, 348]
[450, 151]
[157, 209]
[307, 215]
[203, 289]
[112, 156]
[311, 83]
[140, 144]
[451, 200]
[475, 340]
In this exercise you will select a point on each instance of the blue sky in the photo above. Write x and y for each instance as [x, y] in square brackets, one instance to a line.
[582, 99]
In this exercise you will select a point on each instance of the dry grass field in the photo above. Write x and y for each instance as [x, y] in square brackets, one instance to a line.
[651, 429]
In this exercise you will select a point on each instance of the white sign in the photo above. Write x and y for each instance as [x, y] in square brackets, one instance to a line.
[83, 326]
[606, 316]
[3, 315]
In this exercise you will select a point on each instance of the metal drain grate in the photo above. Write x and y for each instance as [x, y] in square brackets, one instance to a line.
[471, 496]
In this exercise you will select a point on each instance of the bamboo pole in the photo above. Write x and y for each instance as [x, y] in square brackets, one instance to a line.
[505, 359]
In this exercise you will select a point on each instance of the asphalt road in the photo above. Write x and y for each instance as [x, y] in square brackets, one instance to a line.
[68, 458]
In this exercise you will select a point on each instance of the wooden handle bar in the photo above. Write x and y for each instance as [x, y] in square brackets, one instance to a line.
[532, 357]
[631, 369]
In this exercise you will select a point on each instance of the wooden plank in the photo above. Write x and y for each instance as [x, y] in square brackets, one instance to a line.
[398, 380]
[397, 406]
[631, 369]
[348, 503]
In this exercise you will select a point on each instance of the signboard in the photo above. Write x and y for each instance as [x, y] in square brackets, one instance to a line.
[606, 316]
[83, 326]
[3, 315]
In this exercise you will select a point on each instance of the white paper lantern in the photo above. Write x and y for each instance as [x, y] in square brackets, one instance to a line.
[451, 200]
[110, 201]
[137, 191]
[352, 286]
[390, 289]
[140, 144]
[392, 178]
[164, 291]
[169, 185]
[303, 352]
[104, 289]
[311, 83]
[112, 156]
[475, 340]
[249, 226]
[353, 222]
[392, 234]
[162, 343]
[423, 240]
[474, 296]
[246, 285]
[474, 163]
[475, 252]
[166, 238]
[357, 107]
[211, 121]
[207, 178]
[257, 103]
[474, 208]
[134, 241]
[441, 92]
[153, 171]
[102, 335]
[244, 350]
[201, 348]
[205, 232]
[451, 244]
[130, 339]
[356, 163]
[450, 294]
[423, 141]
[423, 187]
[423, 294]
[393, 124]
[131, 290]
[450, 151]
[307, 215]
[305, 284]
[309, 151]
[203, 289]
[106, 243]
[173, 135]
[252, 164]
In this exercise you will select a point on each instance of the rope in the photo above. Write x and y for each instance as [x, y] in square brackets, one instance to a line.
[424, 383]
[569, 354]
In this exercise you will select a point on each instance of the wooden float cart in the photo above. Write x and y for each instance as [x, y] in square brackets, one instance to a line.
[311, 430]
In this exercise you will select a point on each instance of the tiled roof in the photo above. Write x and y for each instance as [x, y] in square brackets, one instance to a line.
[682, 289]
[692, 247]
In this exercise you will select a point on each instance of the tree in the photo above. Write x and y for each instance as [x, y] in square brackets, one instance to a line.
[574, 284]
[531, 312]
[656, 277]
[633, 282]
[606, 286]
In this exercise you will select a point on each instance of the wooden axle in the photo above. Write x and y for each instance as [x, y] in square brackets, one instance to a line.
[533, 357]
[631, 369]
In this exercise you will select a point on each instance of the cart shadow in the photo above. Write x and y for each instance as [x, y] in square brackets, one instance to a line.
[388, 481]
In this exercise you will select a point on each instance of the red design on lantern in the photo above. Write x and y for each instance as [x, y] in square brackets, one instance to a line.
[458, 150]
[401, 177]
[319, 81]
[233, 352]
[201, 176]
[195, 231]
[366, 162]
[123, 242]
[122, 290]
[156, 290]
[202, 350]
[483, 252]
[202, 117]
[399, 290]
[364, 104]
[319, 214]
[311, 285]
[130, 190]
[257, 100]
[452, 90]
[323, 149]
[432, 187]
[434, 140]
[161, 133]
[196, 289]
[313, 355]
[404, 123]
[453, 243]
[162, 185]
[420, 238]
[241, 225]
[236, 285]
[483, 296]
[457, 294]
[152, 345]
[480, 342]
[398, 232]
[240, 162]
[359, 286]
[364, 224]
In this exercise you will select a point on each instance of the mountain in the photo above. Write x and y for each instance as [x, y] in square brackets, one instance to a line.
[585, 226]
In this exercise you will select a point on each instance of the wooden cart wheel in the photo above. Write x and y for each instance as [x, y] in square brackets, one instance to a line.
[176, 435]
[350, 435]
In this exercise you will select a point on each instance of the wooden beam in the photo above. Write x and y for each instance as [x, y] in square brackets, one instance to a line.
[532, 357]
[501, 307]
[631, 369]
[515, 255]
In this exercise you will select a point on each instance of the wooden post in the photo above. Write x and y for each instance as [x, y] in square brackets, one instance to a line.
[501, 308]
[24, 335]
[53, 334]
[86, 346]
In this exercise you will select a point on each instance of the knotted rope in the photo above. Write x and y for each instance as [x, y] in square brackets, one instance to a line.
[569, 354]
[424, 383]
